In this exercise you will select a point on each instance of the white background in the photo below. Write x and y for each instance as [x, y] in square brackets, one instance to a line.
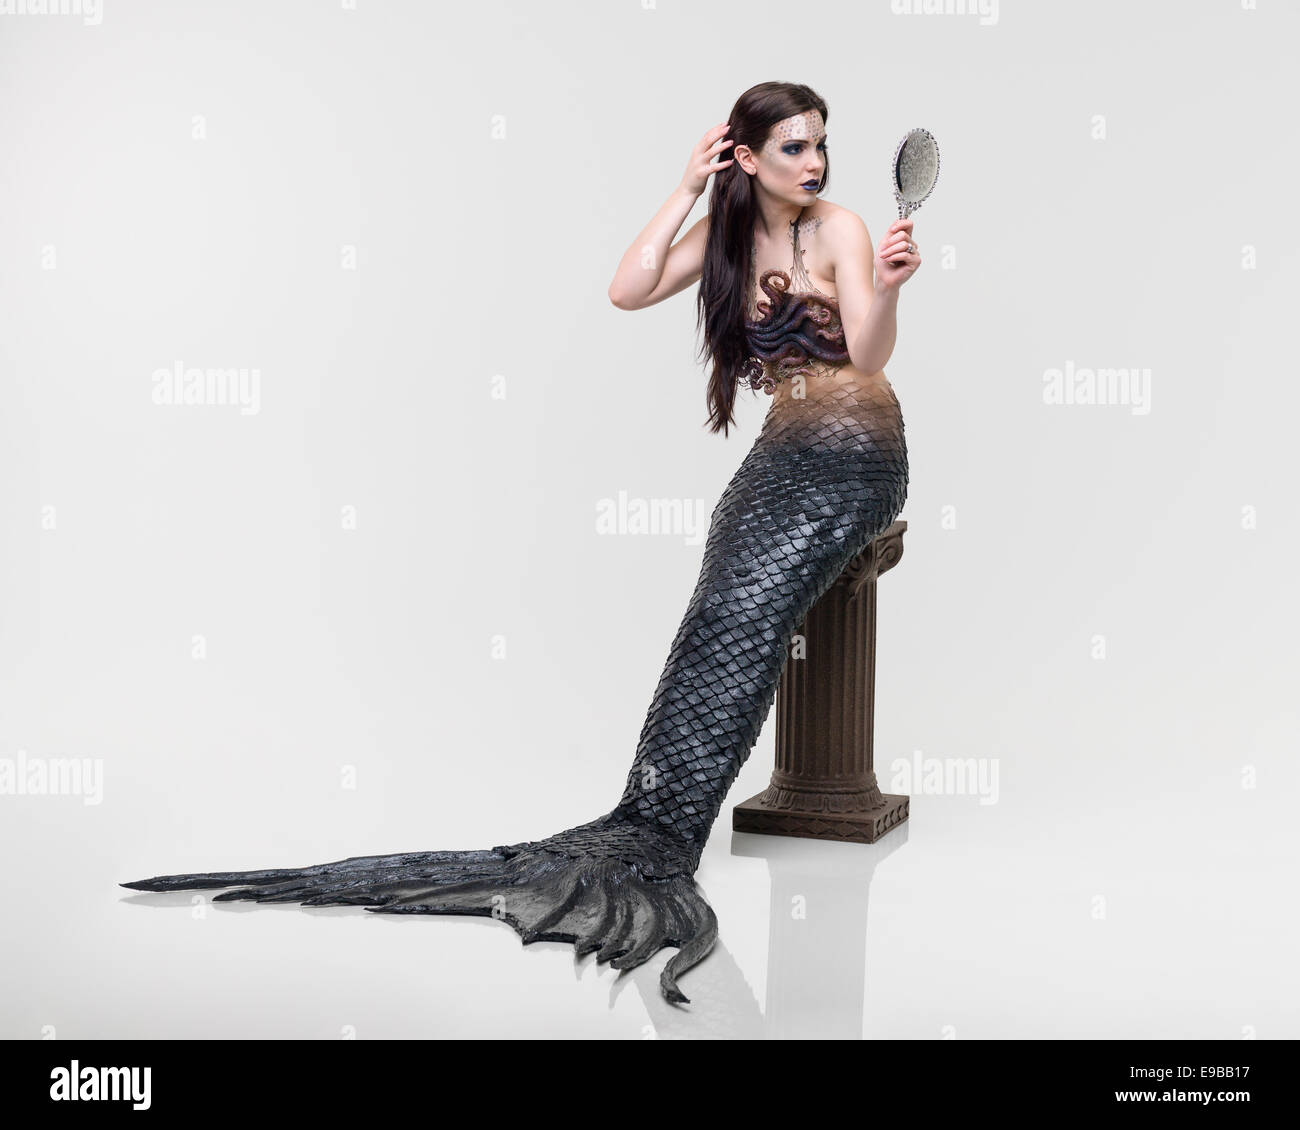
[490, 163]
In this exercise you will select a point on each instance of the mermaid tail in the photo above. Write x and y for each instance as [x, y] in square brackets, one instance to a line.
[624, 891]
[826, 475]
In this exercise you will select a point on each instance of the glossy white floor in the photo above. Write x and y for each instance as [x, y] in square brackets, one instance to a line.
[968, 922]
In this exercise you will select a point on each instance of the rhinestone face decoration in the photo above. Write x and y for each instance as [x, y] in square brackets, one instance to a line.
[807, 126]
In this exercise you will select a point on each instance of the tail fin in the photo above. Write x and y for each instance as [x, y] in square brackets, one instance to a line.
[599, 902]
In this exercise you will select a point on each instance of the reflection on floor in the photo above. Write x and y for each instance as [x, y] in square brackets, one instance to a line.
[817, 949]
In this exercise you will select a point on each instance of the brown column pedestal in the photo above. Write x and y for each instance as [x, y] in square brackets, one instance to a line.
[824, 786]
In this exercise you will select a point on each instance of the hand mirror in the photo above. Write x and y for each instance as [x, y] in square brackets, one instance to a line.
[916, 168]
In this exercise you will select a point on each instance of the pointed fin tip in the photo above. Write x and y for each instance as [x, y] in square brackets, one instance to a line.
[671, 993]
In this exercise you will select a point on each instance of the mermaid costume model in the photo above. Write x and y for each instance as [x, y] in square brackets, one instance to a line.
[827, 474]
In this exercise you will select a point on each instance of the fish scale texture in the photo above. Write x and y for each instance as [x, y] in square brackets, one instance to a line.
[827, 474]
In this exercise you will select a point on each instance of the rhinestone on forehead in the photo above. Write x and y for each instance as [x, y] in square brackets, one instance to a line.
[802, 127]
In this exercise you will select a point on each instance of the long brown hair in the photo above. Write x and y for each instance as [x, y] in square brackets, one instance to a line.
[723, 300]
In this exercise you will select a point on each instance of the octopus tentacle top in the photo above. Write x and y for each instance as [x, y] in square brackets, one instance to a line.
[796, 329]
[796, 334]
[826, 475]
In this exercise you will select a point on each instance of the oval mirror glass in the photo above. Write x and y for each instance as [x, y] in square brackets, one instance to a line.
[915, 170]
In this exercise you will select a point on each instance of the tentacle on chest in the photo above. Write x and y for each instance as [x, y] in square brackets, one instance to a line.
[791, 331]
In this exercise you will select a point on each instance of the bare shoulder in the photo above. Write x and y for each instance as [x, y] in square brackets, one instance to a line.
[841, 228]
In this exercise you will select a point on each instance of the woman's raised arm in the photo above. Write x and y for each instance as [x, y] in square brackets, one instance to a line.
[653, 267]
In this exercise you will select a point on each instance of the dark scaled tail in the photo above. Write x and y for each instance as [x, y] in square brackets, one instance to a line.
[600, 903]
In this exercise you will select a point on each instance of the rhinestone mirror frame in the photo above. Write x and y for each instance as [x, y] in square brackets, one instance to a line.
[907, 207]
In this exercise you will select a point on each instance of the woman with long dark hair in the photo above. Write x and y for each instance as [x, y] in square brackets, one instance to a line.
[827, 474]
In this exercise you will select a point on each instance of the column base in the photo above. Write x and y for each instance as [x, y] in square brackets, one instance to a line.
[857, 827]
